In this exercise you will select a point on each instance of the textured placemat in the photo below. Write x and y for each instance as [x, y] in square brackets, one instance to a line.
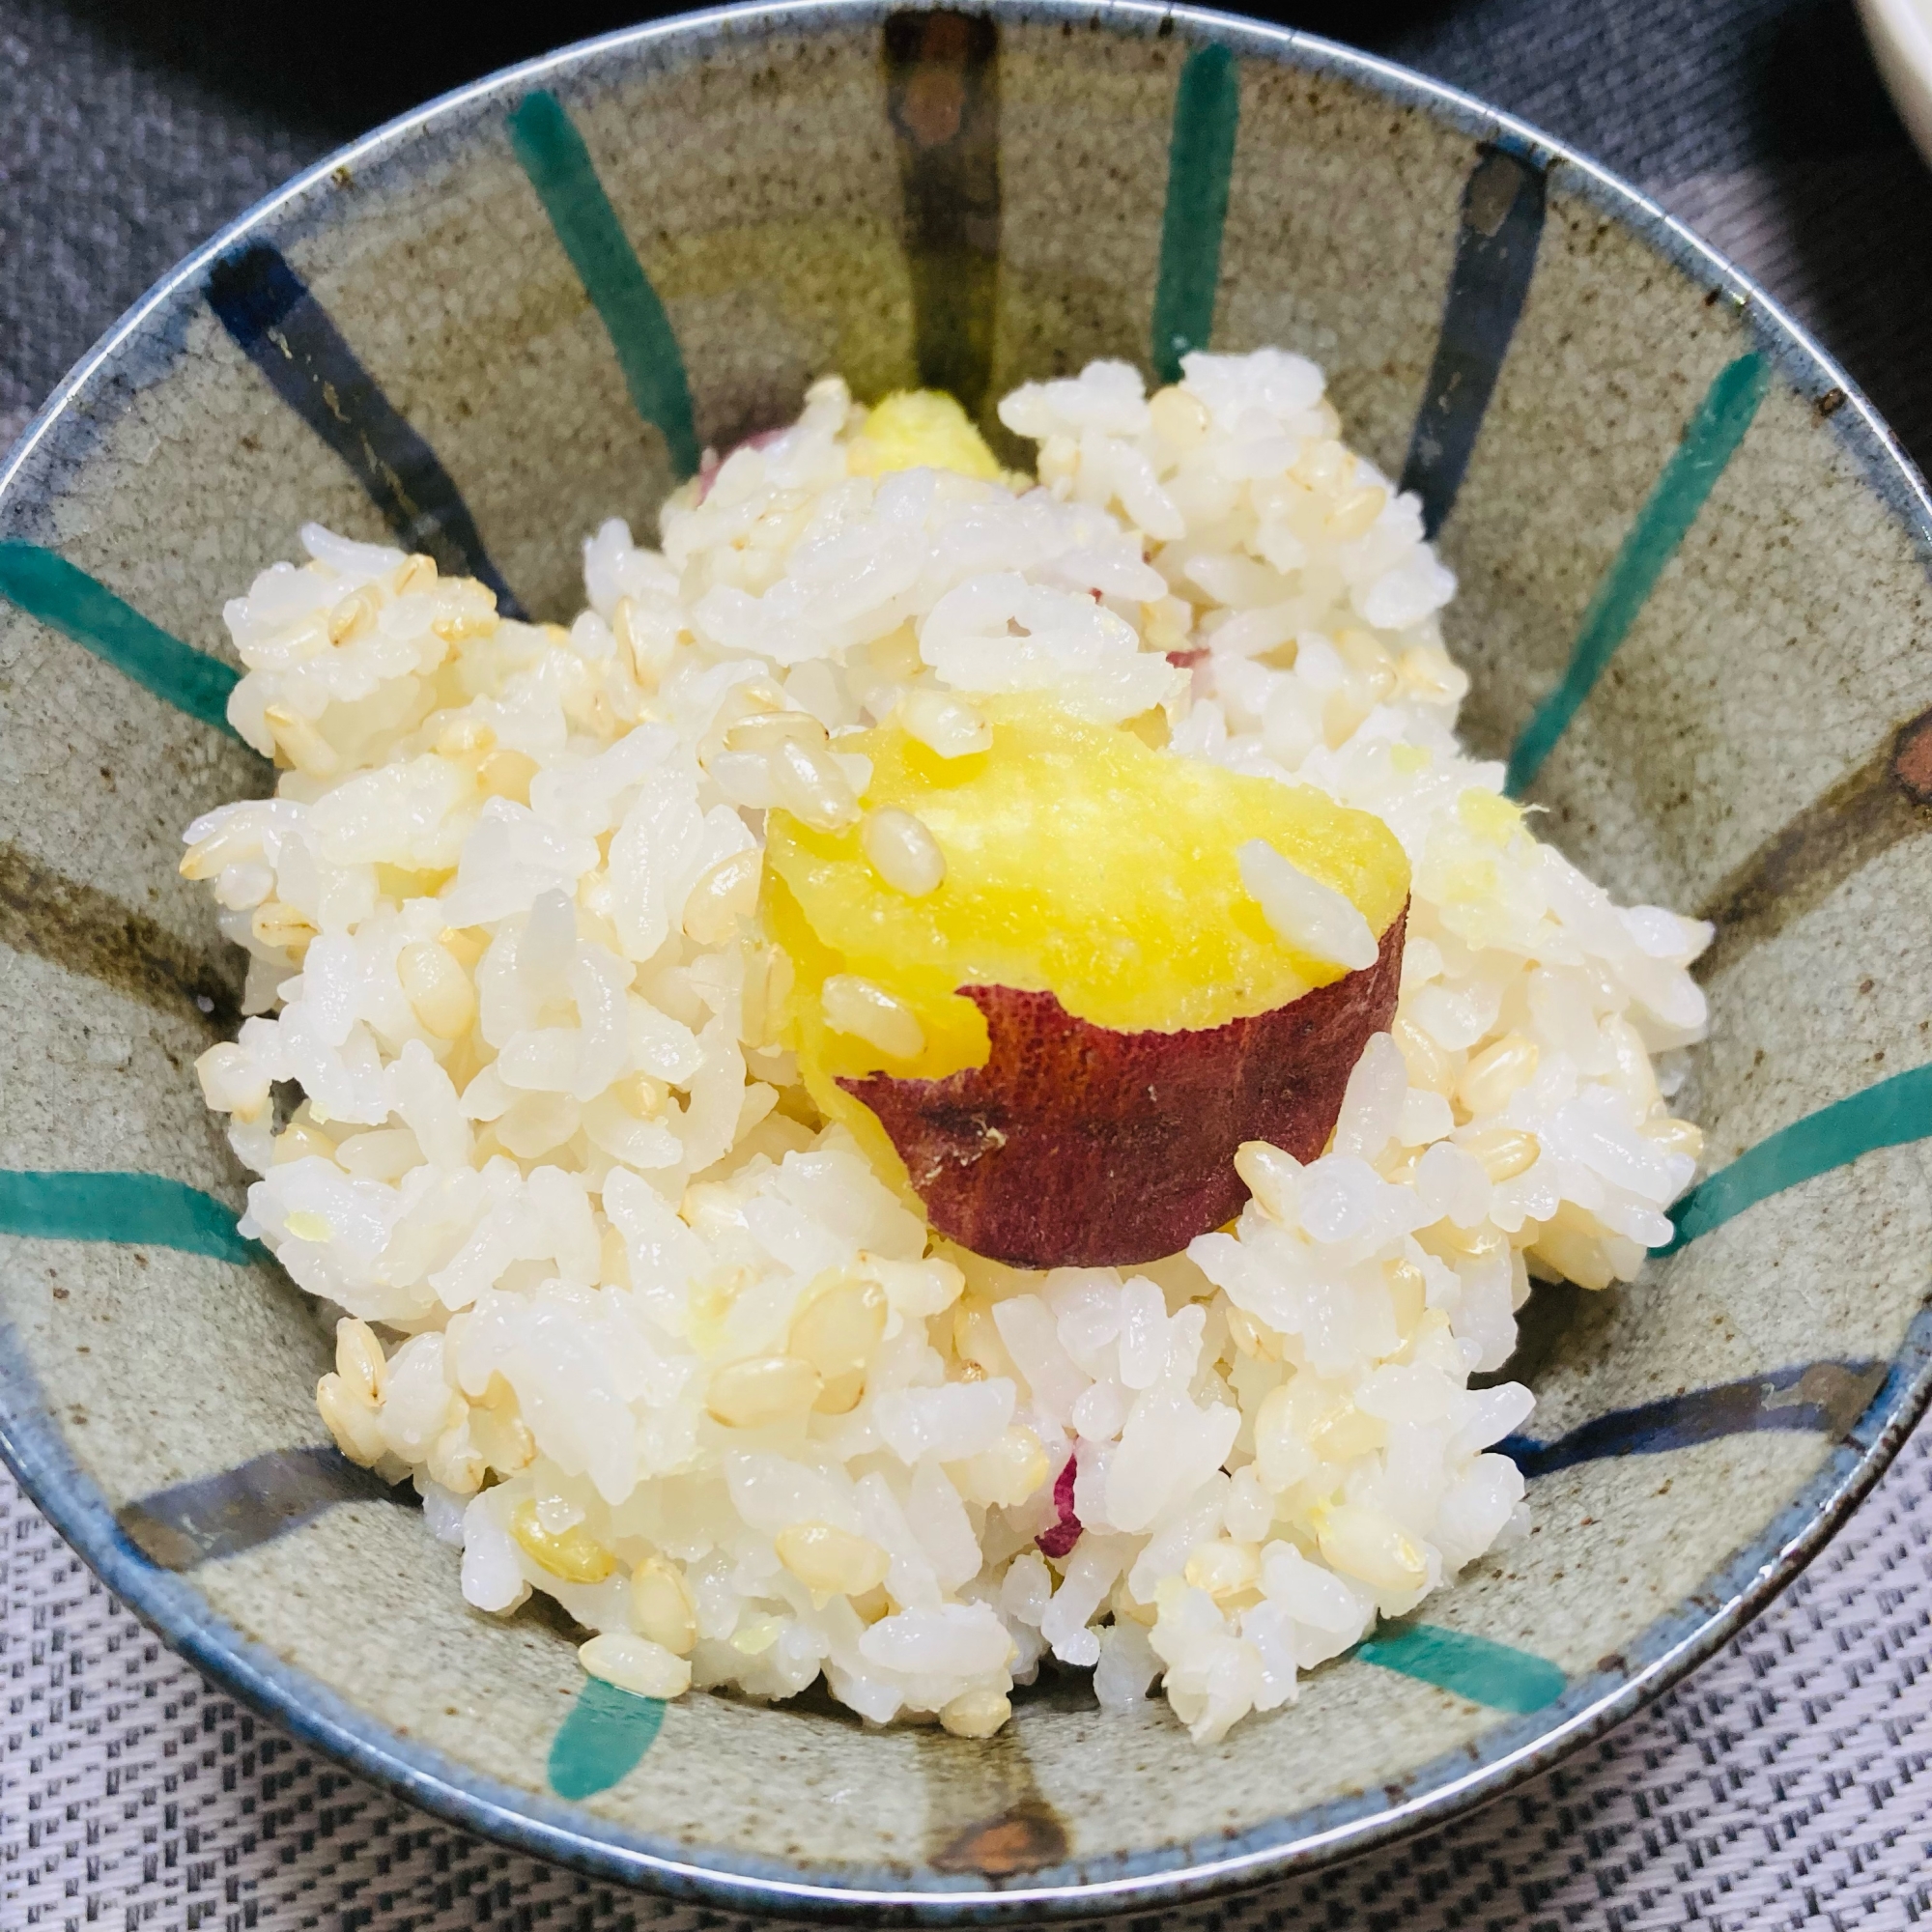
[1785, 1784]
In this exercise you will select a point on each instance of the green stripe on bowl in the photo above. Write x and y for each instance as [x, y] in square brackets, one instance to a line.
[1710, 439]
[131, 1209]
[1891, 1114]
[554, 155]
[603, 1740]
[1476, 1667]
[1200, 163]
[74, 603]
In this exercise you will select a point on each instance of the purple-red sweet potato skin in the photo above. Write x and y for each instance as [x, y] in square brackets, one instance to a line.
[1077, 1146]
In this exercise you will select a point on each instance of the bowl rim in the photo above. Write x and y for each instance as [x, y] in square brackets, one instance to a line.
[34, 1447]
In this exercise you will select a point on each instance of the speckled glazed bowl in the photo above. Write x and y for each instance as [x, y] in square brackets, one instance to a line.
[1694, 599]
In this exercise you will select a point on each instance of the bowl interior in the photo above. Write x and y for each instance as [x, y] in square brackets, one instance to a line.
[446, 334]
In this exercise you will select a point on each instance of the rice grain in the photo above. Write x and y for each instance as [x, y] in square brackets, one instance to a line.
[649, 1337]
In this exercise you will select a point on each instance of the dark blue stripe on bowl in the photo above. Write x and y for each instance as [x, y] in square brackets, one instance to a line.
[243, 1508]
[289, 337]
[1824, 1397]
[941, 71]
[1495, 256]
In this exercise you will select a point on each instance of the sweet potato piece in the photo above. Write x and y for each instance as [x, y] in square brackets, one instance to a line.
[1077, 1146]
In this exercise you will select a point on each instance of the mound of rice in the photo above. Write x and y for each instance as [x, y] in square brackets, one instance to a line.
[580, 1225]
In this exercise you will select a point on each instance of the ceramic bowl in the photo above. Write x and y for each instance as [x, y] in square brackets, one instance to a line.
[1900, 32]
[1693, 602]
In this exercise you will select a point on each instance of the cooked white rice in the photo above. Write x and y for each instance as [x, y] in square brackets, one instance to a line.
[581, 1225]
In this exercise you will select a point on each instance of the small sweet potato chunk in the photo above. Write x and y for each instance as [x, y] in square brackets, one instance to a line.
[1077, 1146]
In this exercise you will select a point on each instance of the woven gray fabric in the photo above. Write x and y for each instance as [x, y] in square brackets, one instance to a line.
[1787, 1785]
